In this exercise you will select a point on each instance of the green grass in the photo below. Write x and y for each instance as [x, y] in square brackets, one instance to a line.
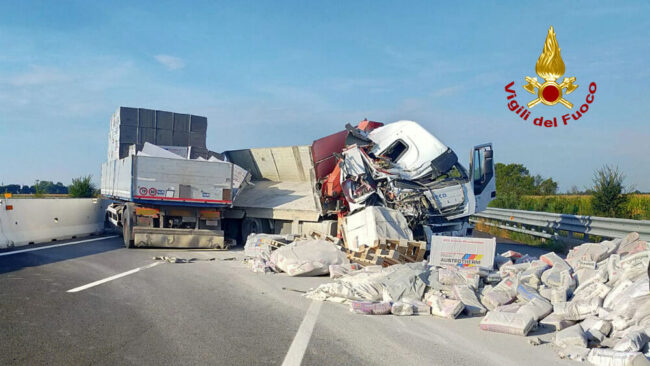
[637, 206]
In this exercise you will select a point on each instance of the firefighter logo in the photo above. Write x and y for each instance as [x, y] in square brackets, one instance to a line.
[550, 67]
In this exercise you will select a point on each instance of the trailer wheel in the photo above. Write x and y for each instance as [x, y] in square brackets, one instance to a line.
[127, 227]
[250, 225]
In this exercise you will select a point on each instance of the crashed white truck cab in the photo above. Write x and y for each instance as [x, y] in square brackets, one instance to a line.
[401, 166]
[426, 181]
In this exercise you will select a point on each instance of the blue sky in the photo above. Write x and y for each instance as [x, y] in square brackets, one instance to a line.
[283, 73]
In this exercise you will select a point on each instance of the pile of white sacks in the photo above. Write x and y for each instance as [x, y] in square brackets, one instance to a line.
[597, 300]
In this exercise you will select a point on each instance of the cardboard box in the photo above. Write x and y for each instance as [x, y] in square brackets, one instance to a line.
[146, 135]
[462, 251]
[197, 139]
[146, 118]
[181, 122]
[164, 137]
[198, 124]
[127, 116]
[180, 138]
[164, 120]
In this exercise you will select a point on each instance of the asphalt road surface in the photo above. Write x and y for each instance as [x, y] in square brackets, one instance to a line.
[96, 302]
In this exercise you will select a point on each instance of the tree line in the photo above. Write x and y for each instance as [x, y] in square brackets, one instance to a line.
[79, 188]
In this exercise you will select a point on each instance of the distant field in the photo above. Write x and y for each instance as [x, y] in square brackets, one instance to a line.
[40, 196]
[638, 205]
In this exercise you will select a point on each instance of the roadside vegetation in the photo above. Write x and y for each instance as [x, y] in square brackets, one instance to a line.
[80, 187]
[608, 196]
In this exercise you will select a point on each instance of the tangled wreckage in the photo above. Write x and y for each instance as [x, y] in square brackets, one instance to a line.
[410, 183]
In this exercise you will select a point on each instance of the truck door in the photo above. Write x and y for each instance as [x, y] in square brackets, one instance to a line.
[482, 175]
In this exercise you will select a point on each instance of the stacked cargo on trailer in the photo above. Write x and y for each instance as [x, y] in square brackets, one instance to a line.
[166, 196]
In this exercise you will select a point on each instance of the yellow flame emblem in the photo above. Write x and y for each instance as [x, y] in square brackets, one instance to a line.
[550, 67]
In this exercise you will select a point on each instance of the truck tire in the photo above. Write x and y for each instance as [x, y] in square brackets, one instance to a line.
[250, 225]
[127, 227]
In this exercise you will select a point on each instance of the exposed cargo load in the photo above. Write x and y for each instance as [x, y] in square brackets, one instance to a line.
[171, 195]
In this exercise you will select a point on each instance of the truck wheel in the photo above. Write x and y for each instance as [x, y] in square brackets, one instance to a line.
[250, 225]
[127, 227]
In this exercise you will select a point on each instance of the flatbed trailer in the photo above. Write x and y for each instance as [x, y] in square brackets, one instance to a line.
[168, 202]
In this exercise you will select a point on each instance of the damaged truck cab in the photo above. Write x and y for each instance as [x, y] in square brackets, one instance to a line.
[414, 173]
[399, 166]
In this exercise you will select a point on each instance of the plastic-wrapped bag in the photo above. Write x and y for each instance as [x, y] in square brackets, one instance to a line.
[610, 357]
[578, 310]
[632, 341]
[410, 308]
[556, 322]
[445, 308]
[308, 257]
[503, 293]
[468, 297]
[571, 336]
[370, 308]
[339, 270]
[509, 323]
[536, 308]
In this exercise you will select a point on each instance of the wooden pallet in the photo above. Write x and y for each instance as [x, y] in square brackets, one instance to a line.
[322, 236]
[387, 252]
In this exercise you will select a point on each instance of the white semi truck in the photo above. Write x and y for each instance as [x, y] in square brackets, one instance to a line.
[296, 189]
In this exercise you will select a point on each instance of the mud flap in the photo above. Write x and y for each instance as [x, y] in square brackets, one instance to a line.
[178, 238]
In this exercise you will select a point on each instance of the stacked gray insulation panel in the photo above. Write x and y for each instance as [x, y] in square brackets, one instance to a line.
[135, 126]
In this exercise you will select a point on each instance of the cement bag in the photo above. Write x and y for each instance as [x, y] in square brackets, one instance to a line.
[632, 341]
[257, 245]
[554, 295]
[592, 323]
[614, 296]
[364, 284]
[536, 308]
[555, 261]
[405, 282]
[339, 270]
[370, 308]
[591, 252]
[413, 308]
[503, 293]
[468, 297]
[610, 357]
[509, 308]
[527, 293]
[556, 322]
[454, 276]
[308, 257]
[445, 308]
[500, 261]
[578, 310]
[509, 323]
[571, 336]
[532, 276]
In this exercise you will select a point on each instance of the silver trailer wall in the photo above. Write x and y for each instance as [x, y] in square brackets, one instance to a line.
[135, 126]
[168, 180]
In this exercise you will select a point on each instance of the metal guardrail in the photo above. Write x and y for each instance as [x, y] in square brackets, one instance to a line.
[551, 225]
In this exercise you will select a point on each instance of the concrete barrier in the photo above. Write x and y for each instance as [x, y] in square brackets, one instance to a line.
[25, 221]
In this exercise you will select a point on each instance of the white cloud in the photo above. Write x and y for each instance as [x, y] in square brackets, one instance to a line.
[170, 62]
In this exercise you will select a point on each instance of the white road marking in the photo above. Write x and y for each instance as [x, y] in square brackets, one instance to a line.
[114, 277]
[57, 245]
[301, 341]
